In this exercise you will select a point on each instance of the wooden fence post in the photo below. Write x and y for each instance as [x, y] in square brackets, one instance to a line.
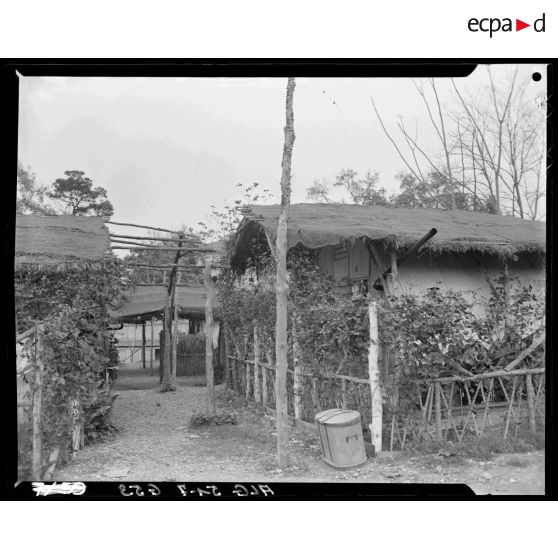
[209, 372]
[161, 354]
[37, 404]
[151, 348]
[229, 362]
[315, 396]
[374, 374]
[174, 339]
[265, 389]
[344, 393]
[297, 377]
[247, 375]
[167, 324]
[143, 343]
[282, 288]
[77, 426]
[438, 410]
[530, 404]
[257, 384]
[234, 363]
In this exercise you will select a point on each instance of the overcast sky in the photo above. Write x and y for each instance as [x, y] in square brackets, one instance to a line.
[166, 149]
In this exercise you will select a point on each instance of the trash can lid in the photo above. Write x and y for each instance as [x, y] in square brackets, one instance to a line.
[337, 416]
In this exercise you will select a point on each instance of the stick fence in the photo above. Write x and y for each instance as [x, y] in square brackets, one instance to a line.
[448, 407]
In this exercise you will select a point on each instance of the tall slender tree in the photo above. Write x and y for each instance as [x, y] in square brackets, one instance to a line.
[283, 287]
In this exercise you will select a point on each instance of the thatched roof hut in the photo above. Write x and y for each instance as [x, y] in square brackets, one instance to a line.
[318, 225]
[60, 238]
[355, 244]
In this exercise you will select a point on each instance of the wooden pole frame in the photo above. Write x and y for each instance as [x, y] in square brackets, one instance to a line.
[374, 375]
[297, 376]
[150, 228]
[37, 455]
[135, 246]
[257, 381]
[174, 340]
[143, 343]
[209, 372]
[282, 287]
[150, 238]
[166, 357]
[151, 349]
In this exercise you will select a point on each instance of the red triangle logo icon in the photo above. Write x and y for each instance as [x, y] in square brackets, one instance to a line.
[519, 25]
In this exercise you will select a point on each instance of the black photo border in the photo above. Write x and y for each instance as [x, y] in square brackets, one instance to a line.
[254, 67]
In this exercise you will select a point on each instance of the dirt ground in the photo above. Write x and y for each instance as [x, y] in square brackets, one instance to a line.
[155, 443]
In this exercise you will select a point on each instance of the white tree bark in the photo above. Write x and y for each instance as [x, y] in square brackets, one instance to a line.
[209, 302]
[374, 374]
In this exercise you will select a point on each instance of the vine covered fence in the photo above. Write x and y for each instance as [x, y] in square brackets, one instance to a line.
[446, 408]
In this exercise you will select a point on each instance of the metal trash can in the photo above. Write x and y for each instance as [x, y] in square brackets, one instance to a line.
[341, 438]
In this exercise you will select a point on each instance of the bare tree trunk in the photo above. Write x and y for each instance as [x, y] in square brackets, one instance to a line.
[374, 374]
[167, 325]
[174, 340]
[209, 303]
[474, 171]
[445, 146]
[37, 457]
[297, 376]
[282, 287]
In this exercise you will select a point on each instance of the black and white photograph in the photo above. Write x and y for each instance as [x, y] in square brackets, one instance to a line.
[263, 280]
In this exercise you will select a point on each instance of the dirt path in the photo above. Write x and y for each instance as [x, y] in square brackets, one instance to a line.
[155, 443]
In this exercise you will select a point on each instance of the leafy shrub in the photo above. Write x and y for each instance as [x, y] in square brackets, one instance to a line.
[98, 424]
[421, 337]
[71, 301]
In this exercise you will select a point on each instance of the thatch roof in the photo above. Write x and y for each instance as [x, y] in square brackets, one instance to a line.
[317, 225]
[60, 237]
[147, 301]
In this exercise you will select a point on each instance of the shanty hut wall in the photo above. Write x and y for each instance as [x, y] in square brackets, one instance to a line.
[468, 274]
[346, 262]
[349, 263]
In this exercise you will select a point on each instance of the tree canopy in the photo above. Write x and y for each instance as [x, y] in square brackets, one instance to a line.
[432, 192]
[79, 197]
[30, 194]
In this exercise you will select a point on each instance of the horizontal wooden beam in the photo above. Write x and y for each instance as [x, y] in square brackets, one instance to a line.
[134, 243]
[309, 374]
[493, 374]
[151, 238]
[180, 267]
[164, 248]
[166, 285]
[150, 228]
